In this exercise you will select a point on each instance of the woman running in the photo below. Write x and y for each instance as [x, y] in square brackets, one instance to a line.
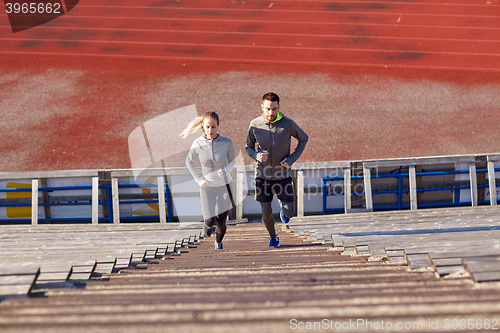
[216, 155]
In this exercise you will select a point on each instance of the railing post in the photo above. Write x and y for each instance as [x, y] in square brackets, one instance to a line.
[347, 189]
[368, 187]
[324, 195]
[239, 194]
[413, 187]
[95, 200]
[473, 183]
[45, 198]
[300, 193]
[105, 191]
[169, 203]
[34, 201]
[161, 199]
[116, 200]
[492, 183]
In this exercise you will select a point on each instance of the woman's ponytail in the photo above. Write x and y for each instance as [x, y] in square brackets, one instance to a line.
[195, 125]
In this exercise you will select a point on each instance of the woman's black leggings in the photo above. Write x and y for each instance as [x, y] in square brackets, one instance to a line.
[210, 196]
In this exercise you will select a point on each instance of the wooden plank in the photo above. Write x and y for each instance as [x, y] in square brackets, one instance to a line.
[105, 267]
[135, 196]
[421, 184]
[124, 261]
[413, 187]
[363, 249]
[48, 174]
[447, 270]
[60, 272]
[486, 277]
[104, 179]
[347, 189]
[82, 272]
[300, 193]
[320, 165]
[481, 182]
[80, 276]
[418, 260]
[481, 267]
[17, 279]
[447, 262]
[419, 161]
[493, 158]
[473, 183]
[45, 198]
[34, 201]
[161, 199]
[397, 256]
[19, 270]
[95, 200]
[116, 200]
[15, 290]
[239, 194]
[84, 267]
[368, 188]
[492, 183]
[232, 212]
[482, 264]
[177, 171]
[358, 210]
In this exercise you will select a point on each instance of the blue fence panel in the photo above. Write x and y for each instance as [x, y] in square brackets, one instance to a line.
[107, 203]
[400, 191]
[168, 202]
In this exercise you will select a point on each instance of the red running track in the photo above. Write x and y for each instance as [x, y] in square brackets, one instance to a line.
[433, 35]
[366, 79]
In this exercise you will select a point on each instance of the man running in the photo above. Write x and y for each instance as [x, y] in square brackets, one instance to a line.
[272, 133]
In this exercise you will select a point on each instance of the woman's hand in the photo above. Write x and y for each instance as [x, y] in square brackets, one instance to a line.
[221, 173]
[203, 183]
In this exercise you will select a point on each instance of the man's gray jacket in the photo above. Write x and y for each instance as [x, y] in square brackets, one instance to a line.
[275, 137]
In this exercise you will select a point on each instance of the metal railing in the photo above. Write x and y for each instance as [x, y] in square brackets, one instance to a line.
[411, 186]
[108, 193]
[108, 199]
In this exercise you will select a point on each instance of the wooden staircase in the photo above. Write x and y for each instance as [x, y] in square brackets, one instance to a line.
[249, 287]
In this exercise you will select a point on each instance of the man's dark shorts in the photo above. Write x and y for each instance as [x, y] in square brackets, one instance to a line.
[265, 189]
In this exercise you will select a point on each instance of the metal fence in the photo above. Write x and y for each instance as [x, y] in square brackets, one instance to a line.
[360, 186]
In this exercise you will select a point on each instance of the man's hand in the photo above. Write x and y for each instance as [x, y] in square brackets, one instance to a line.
[221, 173]
[203, 183]
[264, 156]
[284, 164]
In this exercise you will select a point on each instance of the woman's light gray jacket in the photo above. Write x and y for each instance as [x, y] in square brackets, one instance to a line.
[214, 155]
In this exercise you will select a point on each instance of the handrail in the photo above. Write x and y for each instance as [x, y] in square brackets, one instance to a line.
[400, 190]
[88, 200]
[105, 181]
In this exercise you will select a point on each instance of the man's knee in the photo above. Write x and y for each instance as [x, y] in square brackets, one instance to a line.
[266, 208]
[288, 209]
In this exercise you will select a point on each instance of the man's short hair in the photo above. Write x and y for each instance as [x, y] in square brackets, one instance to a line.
[270, 96]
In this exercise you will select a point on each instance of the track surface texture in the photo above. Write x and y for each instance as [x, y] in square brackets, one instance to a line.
[365, 79]
[249, 287]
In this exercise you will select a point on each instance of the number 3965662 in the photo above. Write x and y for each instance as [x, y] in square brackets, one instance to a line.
[33, 8]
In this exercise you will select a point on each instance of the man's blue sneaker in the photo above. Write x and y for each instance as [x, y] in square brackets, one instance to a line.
[284, 218]
[274, 242]
[218, 246]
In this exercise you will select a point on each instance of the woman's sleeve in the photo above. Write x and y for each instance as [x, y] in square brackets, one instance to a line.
[231, 159]
[190, 164]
